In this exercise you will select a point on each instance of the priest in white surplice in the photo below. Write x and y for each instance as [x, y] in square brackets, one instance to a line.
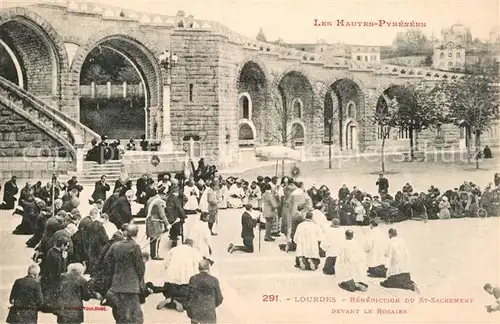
[376, 246]
[181, 264]
[236, 194]
[353, 259]
[201, 236]
[308, 237]
[332, 243]
[398, 264]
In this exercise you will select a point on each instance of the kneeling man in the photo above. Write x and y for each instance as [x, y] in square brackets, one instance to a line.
[308, 237]
[353, 258]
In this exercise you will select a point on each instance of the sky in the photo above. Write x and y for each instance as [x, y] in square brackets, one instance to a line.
[293, 20]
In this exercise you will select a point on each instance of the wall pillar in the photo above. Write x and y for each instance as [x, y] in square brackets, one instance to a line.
[166, 138]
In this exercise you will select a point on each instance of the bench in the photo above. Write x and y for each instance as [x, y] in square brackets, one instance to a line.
[417, 156]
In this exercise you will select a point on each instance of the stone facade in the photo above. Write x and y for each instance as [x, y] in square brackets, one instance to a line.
[216, 67]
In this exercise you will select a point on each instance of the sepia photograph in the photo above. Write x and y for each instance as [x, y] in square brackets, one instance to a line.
[251, 161]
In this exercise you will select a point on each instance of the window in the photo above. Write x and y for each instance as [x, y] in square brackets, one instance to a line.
[366, 58]
[191, 92]
[351, 110]
[441, 55]
[450, 54]
[187, 142]
[297, 108]
[245, 106]
[245, 111]
[458, 55]
[359, 58]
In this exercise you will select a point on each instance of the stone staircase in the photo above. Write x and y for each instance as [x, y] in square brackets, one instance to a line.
[92, 172]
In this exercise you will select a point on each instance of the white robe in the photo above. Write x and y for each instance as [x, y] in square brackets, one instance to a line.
[320, 219]
[307, 236]
[376, 245]
[238, 191]
[399, 257]
[192, 194]
[334, 238]
[181, 264]
[204, 201]
[353, 260]
[201, 236]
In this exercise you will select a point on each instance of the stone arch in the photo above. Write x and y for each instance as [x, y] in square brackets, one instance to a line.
[252, 82]
[297, 69]
[40, 50]
[325, 85]
[257, 61]
[241, 112]
[141, 52]
[243, 139]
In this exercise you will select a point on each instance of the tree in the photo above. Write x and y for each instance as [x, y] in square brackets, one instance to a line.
[280, 131]
[411, 42]
[385, 119]
[419, 108]
[474, 103]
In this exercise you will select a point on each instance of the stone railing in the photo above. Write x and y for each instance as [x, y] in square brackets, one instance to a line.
[86, 134]
[36, 112]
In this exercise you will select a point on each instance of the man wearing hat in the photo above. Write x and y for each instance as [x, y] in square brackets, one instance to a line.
[331, 245]
[175, 214]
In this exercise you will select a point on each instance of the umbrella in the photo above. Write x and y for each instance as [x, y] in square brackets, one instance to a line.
[279, 153]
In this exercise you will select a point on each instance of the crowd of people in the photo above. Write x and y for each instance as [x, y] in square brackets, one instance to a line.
[185, 206]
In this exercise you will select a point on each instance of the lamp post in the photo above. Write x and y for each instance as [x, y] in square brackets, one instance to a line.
[330, 143]
[167, 62]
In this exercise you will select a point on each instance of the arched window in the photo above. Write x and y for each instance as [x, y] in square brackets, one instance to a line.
[245, 106]
[297, 134]
[297, 108]
[442, 55]
[351, 110]
[245, 135]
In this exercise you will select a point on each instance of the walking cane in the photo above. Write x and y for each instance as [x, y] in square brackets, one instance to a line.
[258, 228]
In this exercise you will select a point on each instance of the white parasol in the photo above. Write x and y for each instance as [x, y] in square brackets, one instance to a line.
[278, 153]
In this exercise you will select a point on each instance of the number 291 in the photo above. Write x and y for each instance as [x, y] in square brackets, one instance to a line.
[269, 298]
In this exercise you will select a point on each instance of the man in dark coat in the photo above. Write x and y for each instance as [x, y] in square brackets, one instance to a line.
[206, 295]
[52, 266]
[53, 225]
[81, 238]
[71, 200]
[74, 290]
[125, 258]
[175, 211]
[26, 298]
[487, 152]
[73, 184]
[344, 194]
[97, 240]
[9, 191]
[142, 184]
[121, 212]
[383, 184]
[100, 189]
[247, 226]
[101, 273]
[109, 203]
[41, 222]
[30, 214]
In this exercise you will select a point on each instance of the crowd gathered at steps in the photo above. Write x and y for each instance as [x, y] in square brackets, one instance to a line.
[60, 236]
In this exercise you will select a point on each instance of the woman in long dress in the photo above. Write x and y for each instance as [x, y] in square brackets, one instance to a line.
[444, 208]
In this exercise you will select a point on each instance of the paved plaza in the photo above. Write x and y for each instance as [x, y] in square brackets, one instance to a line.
[450, 259]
